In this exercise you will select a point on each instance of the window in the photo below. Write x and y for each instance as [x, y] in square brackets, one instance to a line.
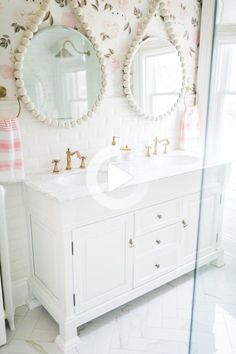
[157, 77]
[160, 92]
[224, 91]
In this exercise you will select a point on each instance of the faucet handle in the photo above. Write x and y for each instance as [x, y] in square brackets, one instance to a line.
[55, 168]
[165, 146]
[148, 154]
[155, 151]
[82, 164]
[114, 142]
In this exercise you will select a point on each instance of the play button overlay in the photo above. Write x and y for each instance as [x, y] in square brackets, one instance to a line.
[117, 177]
[122, 198]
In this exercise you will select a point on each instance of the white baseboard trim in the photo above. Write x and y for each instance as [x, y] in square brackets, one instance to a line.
[229, 245]
[20, 292]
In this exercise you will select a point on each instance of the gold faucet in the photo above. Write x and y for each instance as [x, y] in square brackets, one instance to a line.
[82, 164]
[155, 146]
[148, 148]
[69, 154]
[55, 167]
[165, 142]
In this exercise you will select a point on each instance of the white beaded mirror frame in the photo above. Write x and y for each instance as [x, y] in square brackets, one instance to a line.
[155, 5]
[35, 20]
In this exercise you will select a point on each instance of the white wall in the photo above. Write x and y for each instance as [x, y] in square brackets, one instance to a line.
[226, 12]
[42, 144]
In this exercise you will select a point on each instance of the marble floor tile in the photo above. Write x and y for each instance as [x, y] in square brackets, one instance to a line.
[43, 335]
[29, 347]
[21, 311]
[157, 323]
[26, 326]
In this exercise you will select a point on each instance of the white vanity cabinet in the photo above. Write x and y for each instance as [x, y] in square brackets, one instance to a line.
[88, 260]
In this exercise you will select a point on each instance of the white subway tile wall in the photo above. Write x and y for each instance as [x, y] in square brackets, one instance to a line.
[41, 144]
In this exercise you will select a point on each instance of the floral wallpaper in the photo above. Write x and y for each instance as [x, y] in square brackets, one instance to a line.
[113, 23]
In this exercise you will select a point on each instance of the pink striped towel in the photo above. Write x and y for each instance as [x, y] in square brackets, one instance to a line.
[11, 161]
[189, 129]
[182, 130]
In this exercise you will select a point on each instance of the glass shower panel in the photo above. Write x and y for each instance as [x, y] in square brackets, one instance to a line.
[214, 305]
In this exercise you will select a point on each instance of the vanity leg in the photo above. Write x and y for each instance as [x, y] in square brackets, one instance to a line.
[31, 301]
[68, 340]
[219, 262]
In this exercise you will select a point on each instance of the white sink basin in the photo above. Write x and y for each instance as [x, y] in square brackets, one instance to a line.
[80, 179]
[181, 160]
[177, 160]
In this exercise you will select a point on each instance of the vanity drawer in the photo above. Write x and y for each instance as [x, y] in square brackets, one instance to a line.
[158, 239]
[154, 264]
[149, 219]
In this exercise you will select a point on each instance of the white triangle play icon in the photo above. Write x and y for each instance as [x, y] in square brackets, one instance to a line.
[117, 177]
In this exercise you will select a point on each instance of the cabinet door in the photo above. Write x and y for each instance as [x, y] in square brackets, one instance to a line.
[103, 261]
[208, 223]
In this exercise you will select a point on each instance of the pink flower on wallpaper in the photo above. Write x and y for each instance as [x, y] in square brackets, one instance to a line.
[6, 72]
[171, 4]
[139, 25]
[113, 63]
[196, 37]
[112, 29]
[183, 14]
[20, 16]
[123, 4]
[69, 20]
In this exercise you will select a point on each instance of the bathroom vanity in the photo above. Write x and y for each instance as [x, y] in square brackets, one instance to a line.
[88, 259]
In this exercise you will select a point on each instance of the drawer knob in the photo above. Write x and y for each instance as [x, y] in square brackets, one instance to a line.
[158, 242]
[131, 243]
[159, 216]
[184, 223]
[157, 266]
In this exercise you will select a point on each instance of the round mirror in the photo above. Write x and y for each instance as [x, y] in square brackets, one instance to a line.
[156, 78]
[62, 73]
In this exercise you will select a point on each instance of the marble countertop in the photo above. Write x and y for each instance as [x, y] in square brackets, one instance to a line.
[74, 184]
